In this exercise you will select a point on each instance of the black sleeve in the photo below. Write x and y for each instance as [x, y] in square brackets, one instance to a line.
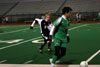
[36, 21]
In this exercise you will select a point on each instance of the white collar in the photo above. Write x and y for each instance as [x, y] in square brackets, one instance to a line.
[64, 17]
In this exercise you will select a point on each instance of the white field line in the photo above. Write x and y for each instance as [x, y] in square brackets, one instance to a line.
[37, 41]
[3, 61]
[28, 61]
[18, 43]
[93, 56]
[78, 26]
[16, 31]
[72, 29]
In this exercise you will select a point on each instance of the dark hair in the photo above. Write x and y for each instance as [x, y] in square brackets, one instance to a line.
[66, 10]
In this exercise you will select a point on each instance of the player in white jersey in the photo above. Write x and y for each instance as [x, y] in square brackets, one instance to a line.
[45, 28]
[78, 17]
[44, 31]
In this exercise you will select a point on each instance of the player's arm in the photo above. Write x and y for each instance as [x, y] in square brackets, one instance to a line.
[68, 38]
[33, 23]
[55, 24]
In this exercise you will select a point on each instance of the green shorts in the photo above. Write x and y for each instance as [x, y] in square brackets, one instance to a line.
[59, 42]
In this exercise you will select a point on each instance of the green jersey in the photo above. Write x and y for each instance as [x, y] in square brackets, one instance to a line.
[62, 24]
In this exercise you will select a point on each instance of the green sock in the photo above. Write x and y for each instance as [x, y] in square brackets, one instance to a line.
[54, 59]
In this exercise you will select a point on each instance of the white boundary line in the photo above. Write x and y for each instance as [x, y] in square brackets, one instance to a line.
[78, 26]
[16, 31]
[28, 61]
[93, 56]
[3, 61]
[37, 41]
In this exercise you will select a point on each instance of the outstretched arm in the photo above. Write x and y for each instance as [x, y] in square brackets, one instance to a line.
[33, 23]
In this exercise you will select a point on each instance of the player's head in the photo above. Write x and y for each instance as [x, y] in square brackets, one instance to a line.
[47, 16]
[67, 11]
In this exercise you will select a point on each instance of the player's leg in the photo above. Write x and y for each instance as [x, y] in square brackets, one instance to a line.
[49, 44]
[56, 51]
[63, 53]
[56, 54]
[42, 45]
[62, 50]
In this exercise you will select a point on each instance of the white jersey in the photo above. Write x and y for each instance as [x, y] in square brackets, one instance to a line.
[38, 21]
[78, 15]
[50, 26]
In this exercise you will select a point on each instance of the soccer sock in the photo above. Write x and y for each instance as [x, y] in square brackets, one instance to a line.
[42, 46]
[56, 54]
[62, 54]
[49, 44]
[54, 59]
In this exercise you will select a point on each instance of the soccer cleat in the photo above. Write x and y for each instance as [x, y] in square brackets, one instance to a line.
[49, 49]
[40, 50]
[50, 60]
[31, 27]
[58, 61]
[52, 65]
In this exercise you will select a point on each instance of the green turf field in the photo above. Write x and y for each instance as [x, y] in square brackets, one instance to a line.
[16, 45]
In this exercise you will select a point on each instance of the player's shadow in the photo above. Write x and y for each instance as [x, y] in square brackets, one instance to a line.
[49, 53]
[68, 62]
[65, 63]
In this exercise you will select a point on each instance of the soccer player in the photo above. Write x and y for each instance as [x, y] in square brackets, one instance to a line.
[99, 16]
[60, 34]
[45, 28]
[78, 17]
[37, 20]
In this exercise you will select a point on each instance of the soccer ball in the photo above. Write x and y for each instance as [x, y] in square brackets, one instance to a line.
[83, 64]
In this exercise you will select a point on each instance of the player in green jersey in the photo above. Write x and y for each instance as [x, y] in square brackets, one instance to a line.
[60, 33]
[99, 16]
